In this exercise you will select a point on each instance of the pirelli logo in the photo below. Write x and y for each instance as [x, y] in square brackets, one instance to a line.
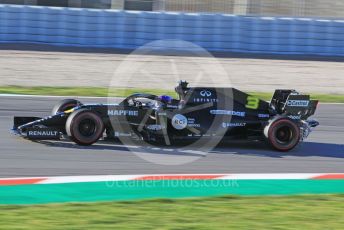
[298, 103]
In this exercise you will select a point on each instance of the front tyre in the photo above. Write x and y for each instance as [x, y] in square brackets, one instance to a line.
[84, 127]
[282, 134]
[64, 105]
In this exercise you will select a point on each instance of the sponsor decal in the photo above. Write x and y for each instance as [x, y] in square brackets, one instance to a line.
[228, 112]
[191, 123]
[42, 133]
[179, 121]
[205, 93]
[155, 127]
[195, 125]
[172, 106]
[205, 100]
[123, 112]
[119, 134]
[298, 103]
[205, 96]
[227, 125]
[263, 115]
[295, 117]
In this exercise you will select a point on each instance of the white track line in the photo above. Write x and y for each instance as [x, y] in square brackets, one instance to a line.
[113, 178]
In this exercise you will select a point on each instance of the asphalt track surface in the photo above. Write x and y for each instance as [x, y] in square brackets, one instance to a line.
[323, 152]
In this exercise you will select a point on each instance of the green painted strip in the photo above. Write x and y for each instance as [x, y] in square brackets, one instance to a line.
[121, 92]
[132, 190]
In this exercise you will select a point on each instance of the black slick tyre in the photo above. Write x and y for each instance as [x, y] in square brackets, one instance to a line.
[64, 105]
[84, 127]
[282, 134]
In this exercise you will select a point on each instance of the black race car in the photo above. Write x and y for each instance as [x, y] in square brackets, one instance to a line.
[200, 113]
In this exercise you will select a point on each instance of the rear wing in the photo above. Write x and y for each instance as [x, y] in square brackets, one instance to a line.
[293, 104]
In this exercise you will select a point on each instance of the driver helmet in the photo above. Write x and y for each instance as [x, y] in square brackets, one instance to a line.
[165, 98]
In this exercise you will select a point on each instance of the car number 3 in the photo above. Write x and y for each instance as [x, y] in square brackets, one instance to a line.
[252, 102]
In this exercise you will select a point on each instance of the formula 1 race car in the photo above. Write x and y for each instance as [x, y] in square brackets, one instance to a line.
[198, 113]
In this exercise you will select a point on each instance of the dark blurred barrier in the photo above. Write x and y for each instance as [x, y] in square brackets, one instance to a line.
[214, 32]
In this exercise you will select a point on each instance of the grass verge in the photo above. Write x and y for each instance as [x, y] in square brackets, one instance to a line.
[120, 92]
[77, 91]
[231, 212]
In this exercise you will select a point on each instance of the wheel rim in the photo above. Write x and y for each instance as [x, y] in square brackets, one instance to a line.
[87, 127]
[284, 135]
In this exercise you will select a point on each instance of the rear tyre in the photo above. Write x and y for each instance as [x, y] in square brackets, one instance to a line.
[84, 127]
[282, 134]
[65, 105]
